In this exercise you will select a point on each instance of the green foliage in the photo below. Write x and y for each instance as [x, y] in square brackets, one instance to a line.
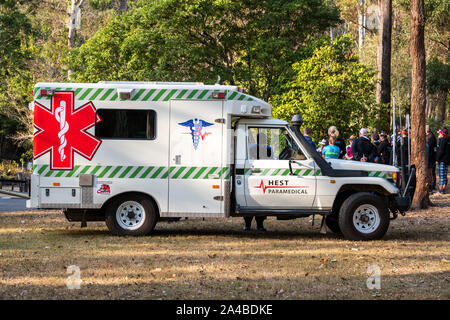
[330, 88]
[438, 76]
[249, 43]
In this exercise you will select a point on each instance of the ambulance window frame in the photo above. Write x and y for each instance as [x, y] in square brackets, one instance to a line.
[139, 139]
[252, 126]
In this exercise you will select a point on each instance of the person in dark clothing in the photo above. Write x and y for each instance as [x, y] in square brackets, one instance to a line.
[307, 134]
[443, 158]
[259, 223]
[402, 149]
[384, 149]
[375, 138]
[431, 156]
[333, 131]
[363, 149]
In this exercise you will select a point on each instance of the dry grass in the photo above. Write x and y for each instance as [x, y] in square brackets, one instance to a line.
[214, 259]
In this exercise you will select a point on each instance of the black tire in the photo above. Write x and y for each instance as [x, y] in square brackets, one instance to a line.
[332, 222]
[369, 207]
[135, 204]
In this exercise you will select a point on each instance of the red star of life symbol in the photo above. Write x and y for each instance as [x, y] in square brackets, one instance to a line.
[62, 130]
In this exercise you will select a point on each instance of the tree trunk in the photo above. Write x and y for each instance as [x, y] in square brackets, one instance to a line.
[362, 23]
[384, 52]
[418, 102]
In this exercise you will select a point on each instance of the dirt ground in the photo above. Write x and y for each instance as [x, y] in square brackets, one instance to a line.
[216, 259]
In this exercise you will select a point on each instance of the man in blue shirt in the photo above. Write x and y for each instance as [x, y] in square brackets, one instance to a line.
[307, 134]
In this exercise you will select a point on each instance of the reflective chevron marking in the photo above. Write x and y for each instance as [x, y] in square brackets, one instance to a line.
[110, 94]
[137, 172]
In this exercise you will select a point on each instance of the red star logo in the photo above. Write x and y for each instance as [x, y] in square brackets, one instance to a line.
[62, 131]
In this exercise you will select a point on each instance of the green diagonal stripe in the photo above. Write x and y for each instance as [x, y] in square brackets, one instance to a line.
[134, 174]
[181, 94]
[138, 94]
[192, 94]
[104, 171]
[117, 169]
[72, 172]
[159, 95]
[275, 172]
[107, 93]
[199, 173]
[125, 172]
[95, 95]
[43, 168]
[84, 170]
[232, 95]
[307, 172]
[84, 95]
[148, 95]
[187, 174]
[171, 93]
[178, 172]
[94, 171]
[169, 171]
[201, 95]
[157, 172]
[146, 172]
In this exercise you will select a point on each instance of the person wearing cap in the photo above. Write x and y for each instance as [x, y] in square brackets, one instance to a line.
[322, 145]
[362, 148]
[431, 156]
[443, 158]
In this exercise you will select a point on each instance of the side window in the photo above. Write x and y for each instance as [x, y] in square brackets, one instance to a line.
[272, 143]
[126, 124]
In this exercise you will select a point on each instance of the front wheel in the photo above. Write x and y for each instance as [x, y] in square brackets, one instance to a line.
[133, 215]
[363, 216]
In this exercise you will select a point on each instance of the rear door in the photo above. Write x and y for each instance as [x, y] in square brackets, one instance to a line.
[195, 157]
[268, 182]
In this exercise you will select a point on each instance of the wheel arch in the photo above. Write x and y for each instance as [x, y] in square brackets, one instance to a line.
[347, 190]
[129, 193]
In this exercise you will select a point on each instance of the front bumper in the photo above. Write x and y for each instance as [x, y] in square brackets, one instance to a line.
[402, 204]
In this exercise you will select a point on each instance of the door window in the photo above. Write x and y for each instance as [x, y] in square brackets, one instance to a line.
[272, 144]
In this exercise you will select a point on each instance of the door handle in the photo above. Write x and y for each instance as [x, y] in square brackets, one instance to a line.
[177, 159]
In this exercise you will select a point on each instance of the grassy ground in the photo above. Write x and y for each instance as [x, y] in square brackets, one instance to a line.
[215, 259]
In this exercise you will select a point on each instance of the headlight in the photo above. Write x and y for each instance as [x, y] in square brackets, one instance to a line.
[391, 176]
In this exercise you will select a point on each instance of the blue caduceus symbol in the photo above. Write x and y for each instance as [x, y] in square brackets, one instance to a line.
[196, 126]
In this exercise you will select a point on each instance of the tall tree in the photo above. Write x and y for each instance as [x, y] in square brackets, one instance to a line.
[418, 102]
[384, 52]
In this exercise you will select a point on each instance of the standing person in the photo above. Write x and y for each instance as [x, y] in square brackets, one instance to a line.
[375, 139]
[402, 149]
[384, 149]
[431, 156]
[307, 134]
[363, 150]
[322, 145]
[349, 153]
[331, 151]
[443, 158]
[259, 223]
[333, 131]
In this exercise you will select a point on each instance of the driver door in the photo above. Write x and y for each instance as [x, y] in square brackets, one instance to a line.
[268, 181]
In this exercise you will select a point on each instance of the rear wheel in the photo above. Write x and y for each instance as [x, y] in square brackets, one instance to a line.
[363, 216]
[133, 215]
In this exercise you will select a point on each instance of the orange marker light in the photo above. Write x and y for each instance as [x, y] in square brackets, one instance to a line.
[56, 184]
[332, 181]
[215, 186]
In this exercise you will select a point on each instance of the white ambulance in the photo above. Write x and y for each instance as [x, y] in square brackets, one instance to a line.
[131, 153]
